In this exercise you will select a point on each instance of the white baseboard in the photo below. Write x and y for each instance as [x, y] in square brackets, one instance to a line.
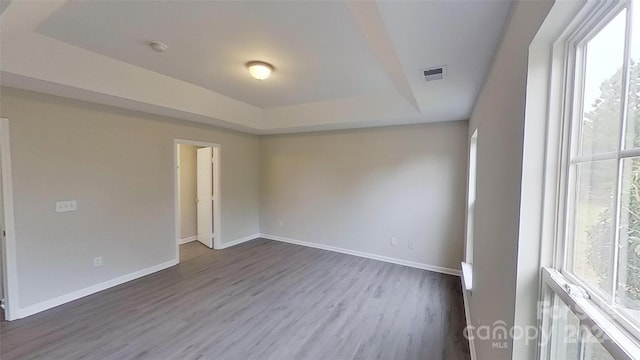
[238, 241]
[467, 316]
[187, 240]
[48, 304]
[413, 264]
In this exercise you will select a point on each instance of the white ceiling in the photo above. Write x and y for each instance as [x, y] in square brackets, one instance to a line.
[338, 64]
[319, 51]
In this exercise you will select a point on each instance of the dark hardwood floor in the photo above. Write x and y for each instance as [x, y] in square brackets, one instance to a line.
[259, 300]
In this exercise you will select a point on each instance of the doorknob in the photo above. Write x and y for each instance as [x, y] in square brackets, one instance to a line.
[197, 200]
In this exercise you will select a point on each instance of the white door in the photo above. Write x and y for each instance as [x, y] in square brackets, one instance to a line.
[204, 190]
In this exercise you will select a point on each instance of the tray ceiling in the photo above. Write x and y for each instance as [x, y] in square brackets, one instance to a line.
[338, 64]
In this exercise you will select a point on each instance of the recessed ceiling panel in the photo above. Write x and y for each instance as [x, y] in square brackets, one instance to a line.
[317, 49]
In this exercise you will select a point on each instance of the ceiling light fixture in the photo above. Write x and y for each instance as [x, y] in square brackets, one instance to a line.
[158, 46]
[259, 70]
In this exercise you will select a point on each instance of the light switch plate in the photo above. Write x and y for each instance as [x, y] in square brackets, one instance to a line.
[65, 206]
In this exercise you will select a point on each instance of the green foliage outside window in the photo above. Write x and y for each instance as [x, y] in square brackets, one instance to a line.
[600, 130]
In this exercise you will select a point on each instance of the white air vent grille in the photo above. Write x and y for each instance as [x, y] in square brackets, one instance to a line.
[434, 73]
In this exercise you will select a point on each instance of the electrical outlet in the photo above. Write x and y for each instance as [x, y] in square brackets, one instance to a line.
[97, 261]
[410, 244]
[394, 241]
[280, 223]
[65, 206]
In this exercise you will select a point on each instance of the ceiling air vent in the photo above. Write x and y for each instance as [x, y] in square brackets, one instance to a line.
[434, 73]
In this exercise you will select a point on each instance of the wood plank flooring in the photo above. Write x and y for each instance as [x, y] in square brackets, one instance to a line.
[258, 300]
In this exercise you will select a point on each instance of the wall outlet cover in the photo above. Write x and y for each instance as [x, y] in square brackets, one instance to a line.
[97, 261]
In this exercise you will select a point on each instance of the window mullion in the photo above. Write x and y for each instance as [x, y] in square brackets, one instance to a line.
[576, 69]
[581, 338]
[621, 142]
[616, 231]
[629, 153]
[613, 155]
[626, 70]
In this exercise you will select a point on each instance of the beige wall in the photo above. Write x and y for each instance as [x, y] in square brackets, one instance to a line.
[188, 182]
[499, 117]
[2, 239]
[351, 189]
[356, 189]
[119, 166]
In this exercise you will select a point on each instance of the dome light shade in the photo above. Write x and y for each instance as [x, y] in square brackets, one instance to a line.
[158, 46]
[259, 70]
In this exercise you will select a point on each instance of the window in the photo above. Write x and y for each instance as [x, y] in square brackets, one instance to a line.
[598, 282]
[603, 229]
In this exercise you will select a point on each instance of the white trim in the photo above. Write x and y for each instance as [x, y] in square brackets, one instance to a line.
[467, 286]
[467, 275]
[467, 316]
[178, 164]
[48, 304]
[217, 193]
[472, 180]
[238, 241]
[412, 264]
[187, 240]
[10, 272]
[176, 198]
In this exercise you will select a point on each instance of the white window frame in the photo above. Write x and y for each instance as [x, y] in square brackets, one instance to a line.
[582, 36]
[621, 335]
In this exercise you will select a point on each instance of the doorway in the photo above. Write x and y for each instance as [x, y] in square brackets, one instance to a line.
[197, 179]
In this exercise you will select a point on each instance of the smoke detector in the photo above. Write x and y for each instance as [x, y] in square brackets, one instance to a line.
[434, 73]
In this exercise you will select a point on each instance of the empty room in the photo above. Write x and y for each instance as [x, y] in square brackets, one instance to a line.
[231, 180]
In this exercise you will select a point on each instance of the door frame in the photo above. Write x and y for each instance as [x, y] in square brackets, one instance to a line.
[217, 190]
[10, 277]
